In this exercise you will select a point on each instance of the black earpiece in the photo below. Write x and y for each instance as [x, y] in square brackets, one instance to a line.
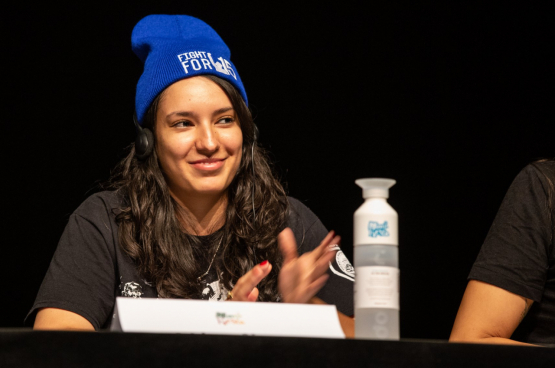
[144, 141]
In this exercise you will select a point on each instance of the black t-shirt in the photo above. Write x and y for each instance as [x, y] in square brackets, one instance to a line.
[518, 254]
[89, 269]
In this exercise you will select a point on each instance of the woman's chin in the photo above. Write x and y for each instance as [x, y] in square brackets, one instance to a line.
[208, 191]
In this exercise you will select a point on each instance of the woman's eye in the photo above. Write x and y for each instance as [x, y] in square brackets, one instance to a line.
[181, 124]
[226, 120]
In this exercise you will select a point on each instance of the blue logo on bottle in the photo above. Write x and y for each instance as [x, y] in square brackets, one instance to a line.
[376, 229]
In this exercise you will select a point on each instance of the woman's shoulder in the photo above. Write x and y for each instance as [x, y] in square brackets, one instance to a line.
[104, 203]
[545, 168]
[298, 208]
[302, 217]
[538, 174]
[295, 203]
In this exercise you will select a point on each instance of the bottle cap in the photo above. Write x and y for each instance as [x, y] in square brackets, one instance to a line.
[375, 187]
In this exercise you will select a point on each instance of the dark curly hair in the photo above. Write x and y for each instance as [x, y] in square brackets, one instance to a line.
[151, 233]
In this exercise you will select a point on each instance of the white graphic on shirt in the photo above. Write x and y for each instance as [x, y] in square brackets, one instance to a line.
[343, 263]
[214, 291]
[197, 60]
[132, 290]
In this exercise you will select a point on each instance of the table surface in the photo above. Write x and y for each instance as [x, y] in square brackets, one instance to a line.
[24, 347]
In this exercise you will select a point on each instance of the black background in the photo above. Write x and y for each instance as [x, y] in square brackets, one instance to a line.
[452, 101]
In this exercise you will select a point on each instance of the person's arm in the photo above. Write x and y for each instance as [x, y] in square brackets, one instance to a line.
[488, 314]
[59, 319]
[81, 278]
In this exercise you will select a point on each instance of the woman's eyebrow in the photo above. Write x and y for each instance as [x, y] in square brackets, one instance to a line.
[181, 113]
[222, 110]
[194, 114]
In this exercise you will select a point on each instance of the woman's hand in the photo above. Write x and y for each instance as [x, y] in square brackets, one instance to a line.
[300, 278]
[245, 289]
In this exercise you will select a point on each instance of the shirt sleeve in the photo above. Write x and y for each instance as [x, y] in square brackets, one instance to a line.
[514, 255]
[309, 232]
[81, 276]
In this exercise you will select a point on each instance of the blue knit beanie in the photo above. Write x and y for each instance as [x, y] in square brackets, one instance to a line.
[174, 47]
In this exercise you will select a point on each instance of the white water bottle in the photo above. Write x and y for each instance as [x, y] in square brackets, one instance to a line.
[376, 257]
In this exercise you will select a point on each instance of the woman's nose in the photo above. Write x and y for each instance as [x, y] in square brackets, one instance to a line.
[207, 140]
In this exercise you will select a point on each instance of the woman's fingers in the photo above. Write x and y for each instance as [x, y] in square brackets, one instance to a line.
[322, 264]
[323, 248]
[287, 245]
[253, 296]
[313, 271]
[305, 290]
[327, 250]
[315, 287]
[244, 289]
[322, 256]
[302, 277]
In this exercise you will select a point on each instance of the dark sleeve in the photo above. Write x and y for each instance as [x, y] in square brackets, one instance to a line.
[309, 232]
[81, 277]
[514, 255]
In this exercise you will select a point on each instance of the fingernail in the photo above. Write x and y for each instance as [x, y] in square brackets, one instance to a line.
[263, 263]
[333, 247]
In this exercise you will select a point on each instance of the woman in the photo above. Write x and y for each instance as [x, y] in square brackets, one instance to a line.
[194, 210]
[514, 274]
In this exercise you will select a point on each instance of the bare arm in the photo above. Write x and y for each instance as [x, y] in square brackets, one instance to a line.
[59, 319]
[489, 314]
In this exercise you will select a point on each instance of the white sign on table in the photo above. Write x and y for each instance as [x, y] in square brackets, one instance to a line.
[227, 318]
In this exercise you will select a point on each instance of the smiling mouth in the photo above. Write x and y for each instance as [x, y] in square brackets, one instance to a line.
[208, 164]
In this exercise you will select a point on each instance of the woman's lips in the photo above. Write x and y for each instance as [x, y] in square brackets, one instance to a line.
[208, 164]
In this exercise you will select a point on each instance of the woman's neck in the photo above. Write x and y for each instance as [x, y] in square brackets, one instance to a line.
[202, 215]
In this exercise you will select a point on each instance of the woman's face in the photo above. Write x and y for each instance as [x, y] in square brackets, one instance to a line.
[199, 140]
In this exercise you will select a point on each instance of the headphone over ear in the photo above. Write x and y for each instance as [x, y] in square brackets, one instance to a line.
[144, 141]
